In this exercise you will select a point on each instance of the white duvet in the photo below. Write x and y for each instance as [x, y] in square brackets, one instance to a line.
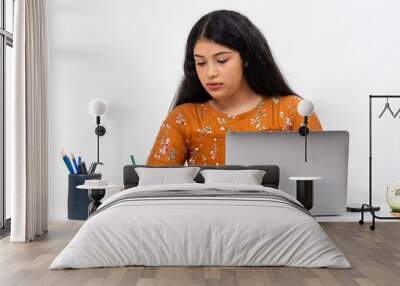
[200, 231]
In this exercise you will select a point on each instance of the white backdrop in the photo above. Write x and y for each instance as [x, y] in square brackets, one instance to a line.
[333, 52]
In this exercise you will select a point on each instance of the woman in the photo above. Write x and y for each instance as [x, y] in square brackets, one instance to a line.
[231, 83]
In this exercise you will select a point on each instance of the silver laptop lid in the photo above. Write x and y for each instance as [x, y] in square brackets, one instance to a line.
[327, 158]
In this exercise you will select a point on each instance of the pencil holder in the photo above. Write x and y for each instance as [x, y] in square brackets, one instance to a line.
[78, 200]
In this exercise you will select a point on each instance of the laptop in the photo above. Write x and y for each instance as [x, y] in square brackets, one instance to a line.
[327, 157]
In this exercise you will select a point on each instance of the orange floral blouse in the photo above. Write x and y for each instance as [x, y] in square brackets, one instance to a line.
[195, 132]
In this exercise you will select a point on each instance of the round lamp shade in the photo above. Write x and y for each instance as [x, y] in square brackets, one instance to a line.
[305, 107]
[97, 107]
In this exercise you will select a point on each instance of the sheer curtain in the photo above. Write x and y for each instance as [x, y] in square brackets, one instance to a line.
[28, 121]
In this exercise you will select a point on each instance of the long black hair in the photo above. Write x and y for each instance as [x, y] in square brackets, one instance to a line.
[235, 31]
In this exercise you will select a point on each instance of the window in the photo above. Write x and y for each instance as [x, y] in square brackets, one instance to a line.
[6, 44]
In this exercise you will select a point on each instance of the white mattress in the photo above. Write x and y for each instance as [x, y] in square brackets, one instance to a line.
[200, 231]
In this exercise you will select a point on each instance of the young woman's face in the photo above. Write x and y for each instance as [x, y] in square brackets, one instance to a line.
[220, 69]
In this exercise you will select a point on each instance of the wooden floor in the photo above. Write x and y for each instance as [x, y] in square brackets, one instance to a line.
[374, 255]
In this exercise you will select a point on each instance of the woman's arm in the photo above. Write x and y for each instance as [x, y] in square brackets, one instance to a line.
[169, 147]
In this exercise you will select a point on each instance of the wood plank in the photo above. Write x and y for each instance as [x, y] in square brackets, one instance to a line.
[374, 255]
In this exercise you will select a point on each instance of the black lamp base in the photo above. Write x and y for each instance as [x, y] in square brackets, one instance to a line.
[100, 130]
[303, 130]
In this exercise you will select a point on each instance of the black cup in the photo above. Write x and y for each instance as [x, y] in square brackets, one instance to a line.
[78, 199]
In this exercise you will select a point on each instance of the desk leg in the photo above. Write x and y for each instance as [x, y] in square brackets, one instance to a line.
[95, 196]
[304, 193]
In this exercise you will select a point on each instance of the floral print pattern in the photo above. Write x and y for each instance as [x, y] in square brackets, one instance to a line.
[194, 133]
[180, 119]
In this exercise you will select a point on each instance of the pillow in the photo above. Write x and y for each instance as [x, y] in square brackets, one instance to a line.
[249, 177]
[163, 176]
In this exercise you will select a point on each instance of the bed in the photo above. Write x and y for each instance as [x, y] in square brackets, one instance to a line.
[201, 224]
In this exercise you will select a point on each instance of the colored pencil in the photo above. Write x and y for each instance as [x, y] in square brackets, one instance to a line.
[133, 160]
[67, 162]
[75, 164]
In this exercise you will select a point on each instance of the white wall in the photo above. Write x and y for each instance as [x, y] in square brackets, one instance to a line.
[130, 53]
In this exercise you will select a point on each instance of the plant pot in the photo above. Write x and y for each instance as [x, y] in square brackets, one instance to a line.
[393, 196]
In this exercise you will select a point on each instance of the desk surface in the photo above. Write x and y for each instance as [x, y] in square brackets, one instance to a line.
[304, 178]
[86, 187]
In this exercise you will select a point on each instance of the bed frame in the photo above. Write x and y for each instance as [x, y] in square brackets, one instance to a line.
[270, 179]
